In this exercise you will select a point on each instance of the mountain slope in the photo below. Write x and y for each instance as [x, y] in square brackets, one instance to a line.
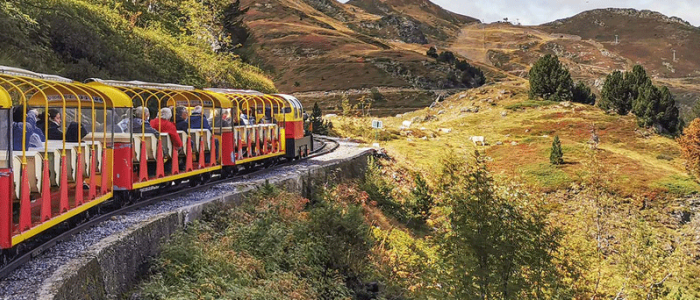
[90, 38]
[321, 45]
[644, 37]
[437, 23]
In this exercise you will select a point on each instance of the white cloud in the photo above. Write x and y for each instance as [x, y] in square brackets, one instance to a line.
[534, 12]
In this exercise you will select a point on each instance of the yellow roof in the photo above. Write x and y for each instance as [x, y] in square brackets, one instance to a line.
[56, 95]
[224, 102]
[5, 100]
[118, 98]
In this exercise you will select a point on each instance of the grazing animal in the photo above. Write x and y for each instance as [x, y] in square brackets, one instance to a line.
[479, 139]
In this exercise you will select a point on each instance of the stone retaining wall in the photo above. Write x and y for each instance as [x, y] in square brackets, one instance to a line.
[114, 265]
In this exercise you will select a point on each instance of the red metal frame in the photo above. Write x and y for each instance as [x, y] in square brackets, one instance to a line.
[123, 166]
[6, 191]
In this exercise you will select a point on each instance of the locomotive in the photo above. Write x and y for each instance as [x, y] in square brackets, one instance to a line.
[67, 146]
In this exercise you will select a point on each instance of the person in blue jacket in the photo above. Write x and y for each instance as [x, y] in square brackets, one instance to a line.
[34, 136]
[197, 121]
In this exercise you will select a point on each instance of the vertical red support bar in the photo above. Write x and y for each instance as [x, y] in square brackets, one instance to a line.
[79, 181]
[176, 161]
[92, 193]
[188, 162]
[45, 193]
[264, 140]
[250, 141]
[6, 191]
[143, 163]
[25, 204]
[63, 204]
[105, 175]
[213, 151]
[201, 152]
[257, 141]
[160, 161]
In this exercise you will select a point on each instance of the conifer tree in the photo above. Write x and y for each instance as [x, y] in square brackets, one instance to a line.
[550, 80]
[556, 157]
[583, 94]
[422, 198]
[615, 95]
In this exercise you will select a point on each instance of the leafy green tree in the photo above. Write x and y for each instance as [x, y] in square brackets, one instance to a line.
[615, 95]
[497, 244]
[583, 94]
[556, 156]
[550, 80]
[422, 198]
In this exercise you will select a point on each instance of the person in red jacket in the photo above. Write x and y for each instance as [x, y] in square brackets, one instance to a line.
[163, 124]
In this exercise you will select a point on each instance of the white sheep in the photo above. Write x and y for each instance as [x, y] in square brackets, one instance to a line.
[479, 139]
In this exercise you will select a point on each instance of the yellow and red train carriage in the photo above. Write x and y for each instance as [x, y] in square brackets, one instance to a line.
[45, 181]
[115, 153]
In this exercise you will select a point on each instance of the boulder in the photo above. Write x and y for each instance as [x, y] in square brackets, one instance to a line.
[446, 130]
[406, 124]
[514, 143]
[504, 113]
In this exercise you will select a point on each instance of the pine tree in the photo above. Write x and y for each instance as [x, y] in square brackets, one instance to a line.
[550, 80]
[582, 94]
[615, 95]
[556, 157]
[497, 244]
[319, 126]
[656, 107]
[635, 80]
[422, 198]
[432, 52]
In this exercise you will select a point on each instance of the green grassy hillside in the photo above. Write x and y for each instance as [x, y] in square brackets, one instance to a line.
[163, 41]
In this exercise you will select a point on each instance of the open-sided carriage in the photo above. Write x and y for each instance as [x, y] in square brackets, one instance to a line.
[43, 183]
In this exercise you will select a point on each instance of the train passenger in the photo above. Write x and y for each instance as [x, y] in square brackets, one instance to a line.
[181, 118]
[54, 132]
[247, 119]
[163, 124]
[140, 114]
[73, 130]
[223, 119]
[33, 139]
[197, 121]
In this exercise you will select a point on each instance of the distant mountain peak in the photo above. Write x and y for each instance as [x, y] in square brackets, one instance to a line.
[627, 12]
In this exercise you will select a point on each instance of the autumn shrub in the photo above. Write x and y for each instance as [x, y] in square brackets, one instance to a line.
[380, 190]
[276, 245]
[690, 148]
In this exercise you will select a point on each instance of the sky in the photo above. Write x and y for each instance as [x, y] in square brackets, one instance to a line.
[535, 12]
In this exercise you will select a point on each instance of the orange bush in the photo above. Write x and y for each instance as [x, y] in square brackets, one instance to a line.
[690, 147]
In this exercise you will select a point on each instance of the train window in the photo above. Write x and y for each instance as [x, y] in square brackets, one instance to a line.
[4, 138]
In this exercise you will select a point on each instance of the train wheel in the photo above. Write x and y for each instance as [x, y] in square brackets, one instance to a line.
[204, 178]
[194, 181]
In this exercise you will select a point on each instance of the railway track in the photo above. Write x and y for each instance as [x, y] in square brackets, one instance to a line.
[110, 210]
